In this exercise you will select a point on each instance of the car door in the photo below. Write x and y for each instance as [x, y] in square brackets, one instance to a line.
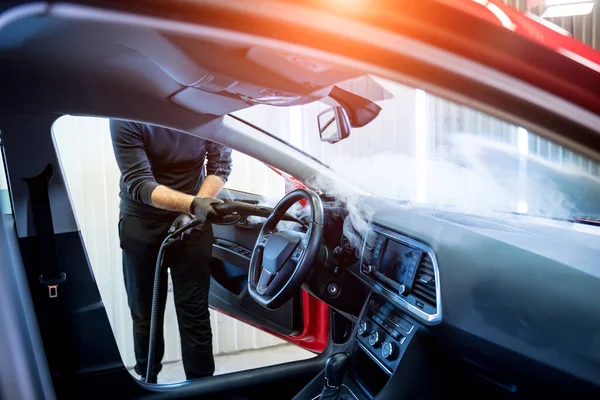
[303, 319]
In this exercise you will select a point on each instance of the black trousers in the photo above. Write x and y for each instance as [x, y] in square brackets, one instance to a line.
[189, 264]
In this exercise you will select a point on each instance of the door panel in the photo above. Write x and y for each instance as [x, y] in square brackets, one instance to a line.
[302, 320]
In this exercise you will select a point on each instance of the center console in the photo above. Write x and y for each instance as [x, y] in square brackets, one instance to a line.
[388, 358]
[384, 333]
[390, 353]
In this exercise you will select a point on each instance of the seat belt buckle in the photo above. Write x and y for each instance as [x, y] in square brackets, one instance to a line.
[52, 284]
[52, 291]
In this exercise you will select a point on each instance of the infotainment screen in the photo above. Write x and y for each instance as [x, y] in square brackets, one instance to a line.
[399, 262]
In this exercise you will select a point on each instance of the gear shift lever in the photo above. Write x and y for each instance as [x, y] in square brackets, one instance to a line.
[335, 369]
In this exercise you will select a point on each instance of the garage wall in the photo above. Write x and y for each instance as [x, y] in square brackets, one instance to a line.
[581, 27]
[446, 119]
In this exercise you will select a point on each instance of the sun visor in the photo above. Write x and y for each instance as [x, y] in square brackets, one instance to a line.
[320, 75]
[300, 69]
[219, 94]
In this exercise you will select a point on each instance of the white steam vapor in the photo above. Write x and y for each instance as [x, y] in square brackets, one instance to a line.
[295, 211]
[474, 176]
[357, 209]
[469, 178]
[461, 181]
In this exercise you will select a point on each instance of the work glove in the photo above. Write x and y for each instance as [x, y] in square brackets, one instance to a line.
[202, 208]
[181, 220]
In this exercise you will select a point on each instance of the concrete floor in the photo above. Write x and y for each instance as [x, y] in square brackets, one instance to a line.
[173, 372]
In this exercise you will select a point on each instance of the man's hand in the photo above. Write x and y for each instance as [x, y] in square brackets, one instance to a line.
[202, 208]
[181, 220]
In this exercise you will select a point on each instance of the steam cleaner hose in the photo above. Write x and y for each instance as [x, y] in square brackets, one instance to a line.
[226, 208]
[170, 239]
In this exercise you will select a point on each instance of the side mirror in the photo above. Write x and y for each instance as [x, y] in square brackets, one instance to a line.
[334, 125]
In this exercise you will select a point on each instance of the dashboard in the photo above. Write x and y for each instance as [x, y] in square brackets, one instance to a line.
[514, 300]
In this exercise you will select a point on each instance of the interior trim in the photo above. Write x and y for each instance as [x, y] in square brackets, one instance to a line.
[386, 369]
[342, 385]
[21, 12]
[24, 370]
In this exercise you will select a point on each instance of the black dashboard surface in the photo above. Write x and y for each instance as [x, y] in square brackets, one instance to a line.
[519, 293]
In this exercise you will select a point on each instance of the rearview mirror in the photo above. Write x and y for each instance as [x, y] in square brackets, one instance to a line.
[360, 110]
[334, 125]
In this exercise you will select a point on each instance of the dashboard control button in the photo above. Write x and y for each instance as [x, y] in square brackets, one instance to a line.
[297, 254]
[389, 350]
[375, 339]
[375, 303]
[364, 328]
[333, 289]
[403, 290]
[386, 326]
[402, 323]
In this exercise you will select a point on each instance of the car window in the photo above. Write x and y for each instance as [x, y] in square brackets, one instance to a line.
[252, 176]
[429, 151]
[92, 176]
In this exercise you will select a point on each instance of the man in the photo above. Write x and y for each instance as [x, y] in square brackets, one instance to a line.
[163, 184]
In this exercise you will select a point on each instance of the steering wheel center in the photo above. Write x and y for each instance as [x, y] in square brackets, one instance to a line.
[279, 248]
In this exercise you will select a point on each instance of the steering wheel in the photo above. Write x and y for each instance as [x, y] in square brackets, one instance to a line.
[281, 261]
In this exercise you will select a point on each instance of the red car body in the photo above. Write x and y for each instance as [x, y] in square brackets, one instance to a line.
[522, 47]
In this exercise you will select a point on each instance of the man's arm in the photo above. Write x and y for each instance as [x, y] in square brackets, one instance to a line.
[218, 169]
[166, 198]
[135, 167]
[211, 187]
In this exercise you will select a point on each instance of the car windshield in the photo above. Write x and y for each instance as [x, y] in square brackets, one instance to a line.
[426, 150]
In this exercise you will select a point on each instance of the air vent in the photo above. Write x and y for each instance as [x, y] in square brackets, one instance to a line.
[424, 284]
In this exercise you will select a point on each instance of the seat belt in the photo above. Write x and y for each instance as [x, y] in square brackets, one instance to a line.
[51, 314]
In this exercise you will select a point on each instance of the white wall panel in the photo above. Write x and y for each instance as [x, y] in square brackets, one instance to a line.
[3, 183]
[5, 207]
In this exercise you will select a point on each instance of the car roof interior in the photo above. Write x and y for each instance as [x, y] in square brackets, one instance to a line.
[116, 72]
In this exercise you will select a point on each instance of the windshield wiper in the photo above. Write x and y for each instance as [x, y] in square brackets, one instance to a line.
[595, 221]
